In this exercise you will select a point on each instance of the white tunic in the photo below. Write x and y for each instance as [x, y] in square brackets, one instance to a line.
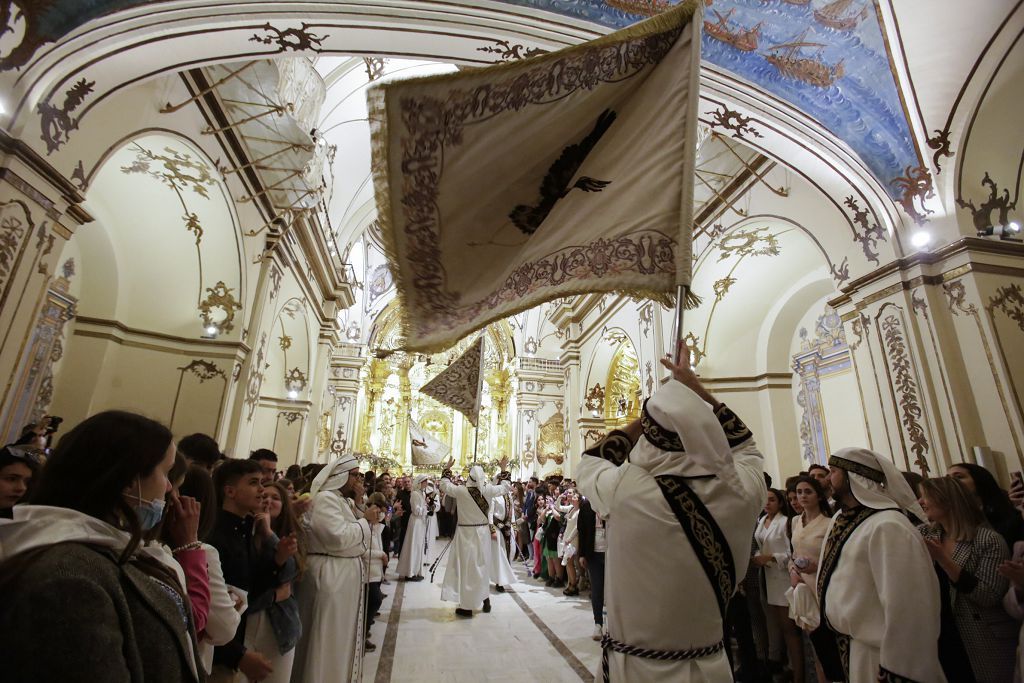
[678, 610]
[410, 563]
[431, 533]
[772, 540]
[466, 577]
[884, 594]
[498, 566]
[330, 594]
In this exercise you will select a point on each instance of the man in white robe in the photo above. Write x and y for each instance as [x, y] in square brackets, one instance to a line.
[410, 562]
[499, 568]
[466, 579]
[881, 595]
[330, 594]
[680, 515]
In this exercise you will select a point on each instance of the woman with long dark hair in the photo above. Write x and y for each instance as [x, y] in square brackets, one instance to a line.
[81, 592]
[994, 501]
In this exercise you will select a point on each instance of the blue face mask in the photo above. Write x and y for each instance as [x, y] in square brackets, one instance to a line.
[149, 512]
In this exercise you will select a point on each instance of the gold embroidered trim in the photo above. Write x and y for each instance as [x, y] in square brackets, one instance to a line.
[736, 431]
[665, 439]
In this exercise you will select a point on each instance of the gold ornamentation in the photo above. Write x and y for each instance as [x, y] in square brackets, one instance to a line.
[219, 296]
[871, 231]
[661, 437]
[1010, 301]
[552, 439]
[295, 380]
[905, 385]
[863, 470]
[285, 342]
[275, 281]
[956, 297]
[692, 344]
[646, 318]
[721, 287]
[179, 170]
[290, 416]
[915, 187]
[204, 370]
[594, 400]
[861, 329]
[323, 441]
[622, 401]
[757, 242]
[15, 225]
[374, 67]
[255, 380]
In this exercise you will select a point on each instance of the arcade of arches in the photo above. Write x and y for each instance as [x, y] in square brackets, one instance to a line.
[187, 228]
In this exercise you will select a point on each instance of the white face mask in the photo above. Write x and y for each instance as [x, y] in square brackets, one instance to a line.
[149, 512]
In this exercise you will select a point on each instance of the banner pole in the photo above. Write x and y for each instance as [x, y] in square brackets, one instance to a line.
[479, 395]
[682, 292]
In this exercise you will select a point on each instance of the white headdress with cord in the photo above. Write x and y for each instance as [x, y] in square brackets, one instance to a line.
[682, 436]
[419, 479]
[334, 475]
[875, 481]
[477, 477]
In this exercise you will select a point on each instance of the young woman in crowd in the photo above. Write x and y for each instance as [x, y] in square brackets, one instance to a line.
[81, 592]
[538, 537]
[773, 558]
[377, 562]
[226, 603]
[18, 466]
[994, 501]
[570, 543]
[808, 535]
[552, 522]
[273, 626]
[967, 554]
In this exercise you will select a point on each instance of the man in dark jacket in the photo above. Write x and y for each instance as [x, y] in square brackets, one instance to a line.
[246, 566]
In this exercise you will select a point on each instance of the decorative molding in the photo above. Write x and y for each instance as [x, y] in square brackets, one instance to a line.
[78, 176]
[861, 330]
[510, 52]
[721, 287]
[290, 39]
[746, 243]
[646, 315]
[904, 384]
[16, 225]
[203, 370]
[915, 187]
[56, 122]
[219, 296]
[374, 67]
[650, 379]
[981, 215]
[941, 144]
[255, 381]
[290, 416]
[919, 306]
[956, 298]
[871, 232]
[732, 121]
[1009, 301]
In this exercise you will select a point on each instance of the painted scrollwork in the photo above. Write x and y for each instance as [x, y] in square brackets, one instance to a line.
[203, 370]
[981, 215]
[255, 381]
[15, 225]
[956, 298]
[290, 39]
[861, 329]
[219, 296]
[871, 232]
[734, 122]
[509, 52]
[721, 287]
[290, 416]
[906, 387]
[914, 188]
[757, 242]
[1010, 301]
[57, 122]
[646, 314]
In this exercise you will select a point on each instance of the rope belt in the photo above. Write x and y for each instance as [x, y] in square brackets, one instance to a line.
[609, 643]
[484, 524]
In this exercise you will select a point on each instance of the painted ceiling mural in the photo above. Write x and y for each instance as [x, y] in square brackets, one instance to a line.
[828, 58]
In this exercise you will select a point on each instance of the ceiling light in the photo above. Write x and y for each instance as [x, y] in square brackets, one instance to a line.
[293, 394]
[921, 239]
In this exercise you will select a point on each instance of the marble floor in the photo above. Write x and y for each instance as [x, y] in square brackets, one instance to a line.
[532, 633]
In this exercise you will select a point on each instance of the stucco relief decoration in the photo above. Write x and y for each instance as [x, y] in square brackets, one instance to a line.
[290, 39]
[941, 144]
[203, 370]
[290, 416]
[531, 346]
[323, 441]
[646, 314]
[78, 176]
[295, 380]
[841, 272]
[722, 286]
[509, 52]
[44, 238]
[15, 225]
[285, 342]
[860, 329]
[650, 379]
[870, 231]
[906, 387]
[1010, 301]
[374, 67]
[757, 242]
[56, 121]
[956, 298]
[236, 372]
[918, 305]
[378, 282]
[614, 336]
[220, 297]
[997, 203]
[914, 187]
[275, 281]
[731, 122]
[340, 442]
[552, 440]
[255, 381]
[693, 345]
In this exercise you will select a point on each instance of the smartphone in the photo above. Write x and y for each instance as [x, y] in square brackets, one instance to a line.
[1017, 479]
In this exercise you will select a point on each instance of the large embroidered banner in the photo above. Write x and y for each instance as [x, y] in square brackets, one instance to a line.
[426, 449]
[458, 385]
[501, 188]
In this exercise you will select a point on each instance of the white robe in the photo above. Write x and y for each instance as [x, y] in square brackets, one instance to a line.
[410, 562]
[498, 566]
[656, 594]
[330, 594]
[884, 594]
[466, 579]
[431, 533]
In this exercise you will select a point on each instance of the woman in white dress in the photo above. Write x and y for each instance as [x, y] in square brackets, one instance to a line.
[570, 542]
[410, 563]
[773, 557]
[433, 505]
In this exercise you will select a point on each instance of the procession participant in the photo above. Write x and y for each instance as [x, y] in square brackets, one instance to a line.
[499, 568]
[878, 593]
[410, 562]
[433, 507]
[693, 482]
[466, 577]
[331, 592]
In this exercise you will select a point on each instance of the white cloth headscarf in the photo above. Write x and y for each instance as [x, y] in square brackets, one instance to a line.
[418, 480]
[676, 408]
[335, 475]
[875, 481]
[477, 477]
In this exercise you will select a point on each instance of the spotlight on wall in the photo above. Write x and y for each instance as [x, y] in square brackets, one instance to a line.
[209, 332]
[292, 394]
[1014, 227]
[921, 239]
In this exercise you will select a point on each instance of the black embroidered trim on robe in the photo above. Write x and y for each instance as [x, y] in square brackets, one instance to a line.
[662, 438]
[829, 644]
[705, 536]
[481, 503]
[614, 447]
[857, 468]
[735, 430]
